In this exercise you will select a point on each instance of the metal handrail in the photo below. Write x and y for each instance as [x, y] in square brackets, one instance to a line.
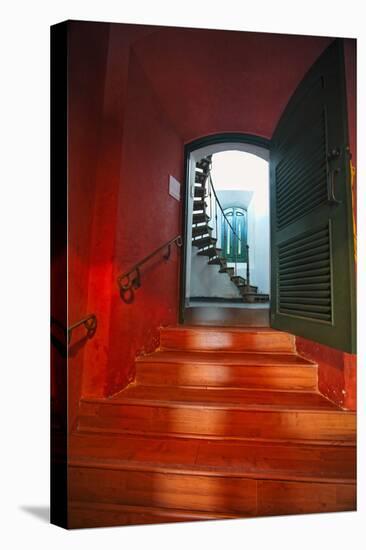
[89, 322]
[127, 283]
[218, 202]
[210, 186]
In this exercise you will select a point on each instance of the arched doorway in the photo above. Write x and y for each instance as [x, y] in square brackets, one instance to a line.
[226, 257]
[312, 233]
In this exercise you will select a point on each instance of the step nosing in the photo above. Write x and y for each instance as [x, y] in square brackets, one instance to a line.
[201, 470]
[197, 361]
[178, 513]
[239, 439]
[185, 403]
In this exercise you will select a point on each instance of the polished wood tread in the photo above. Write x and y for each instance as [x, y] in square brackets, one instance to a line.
[94, 514]
[219, 412]
[238, 496]
[207, 478]
[227, 369]
[219, 422]
[226, 358]
[221, 398]
[226, 339]
[259, 460]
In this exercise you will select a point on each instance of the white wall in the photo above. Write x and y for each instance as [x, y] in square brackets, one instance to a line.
[207, 282]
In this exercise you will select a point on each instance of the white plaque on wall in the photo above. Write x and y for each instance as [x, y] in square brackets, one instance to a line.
[174, 188]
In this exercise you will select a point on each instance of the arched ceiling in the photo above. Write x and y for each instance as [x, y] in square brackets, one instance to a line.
[211, 81]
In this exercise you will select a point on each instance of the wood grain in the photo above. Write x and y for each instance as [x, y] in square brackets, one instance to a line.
[271, 460]
[85, 515]
[226, 339]
[235, 370]
[219, 423]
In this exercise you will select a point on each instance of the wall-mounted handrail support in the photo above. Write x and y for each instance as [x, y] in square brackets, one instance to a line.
[89, 322]
[131, 279]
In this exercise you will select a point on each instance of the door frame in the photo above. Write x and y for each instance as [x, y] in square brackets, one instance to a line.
[214, 139]
[234, 220]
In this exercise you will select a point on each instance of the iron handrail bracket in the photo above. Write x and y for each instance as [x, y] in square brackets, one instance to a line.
[131, 279]
[89, 322]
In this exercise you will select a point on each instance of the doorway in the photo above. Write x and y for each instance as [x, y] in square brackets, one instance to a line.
[312, 235]
[226, 278]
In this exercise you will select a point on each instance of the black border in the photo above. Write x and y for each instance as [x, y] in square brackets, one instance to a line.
[58, 240]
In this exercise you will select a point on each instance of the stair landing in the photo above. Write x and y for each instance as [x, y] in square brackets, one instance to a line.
[229, 314]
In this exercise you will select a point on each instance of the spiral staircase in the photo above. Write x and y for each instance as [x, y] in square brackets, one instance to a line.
[203, 240]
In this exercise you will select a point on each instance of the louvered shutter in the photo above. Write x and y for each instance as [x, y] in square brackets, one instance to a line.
[312, 267]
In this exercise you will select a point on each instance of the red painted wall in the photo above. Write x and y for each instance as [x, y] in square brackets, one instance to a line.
[336, 371]
[136, 95]
[97, 84]
[220, 81]
[147, 216]
[88, 46]
[126, 212]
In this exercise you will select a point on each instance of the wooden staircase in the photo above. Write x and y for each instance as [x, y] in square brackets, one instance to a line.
[219, 423]
[206, 244]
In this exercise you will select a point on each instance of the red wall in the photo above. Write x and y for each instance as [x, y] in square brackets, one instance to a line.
[336, 371]
[220, 81]
[147, 216]
[136, 95]
[121, 213]
[97, 84]
[88, 44]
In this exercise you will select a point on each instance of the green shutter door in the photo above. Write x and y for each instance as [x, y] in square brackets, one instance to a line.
[312, 256]
[234, 247]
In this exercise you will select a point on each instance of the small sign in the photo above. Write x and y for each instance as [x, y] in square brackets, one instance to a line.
[174, 188]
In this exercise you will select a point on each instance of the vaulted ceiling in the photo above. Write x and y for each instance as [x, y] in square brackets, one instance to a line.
[211, 81]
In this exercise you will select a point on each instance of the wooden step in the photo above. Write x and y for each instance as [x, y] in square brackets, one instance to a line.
[205, 241]
[203, 164]
[84, 514]
[205, 478]
[192, 338]
[220, 369]
[200, 218]
[211, 252]
[199, 205]
[238, 280]
[220, 412]
[199, 191]
[201, 230]
[250, 459]
[200, 177]
[228, 270]
[215, 261]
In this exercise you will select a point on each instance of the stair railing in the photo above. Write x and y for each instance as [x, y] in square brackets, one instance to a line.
[129, 281]
[248, 271]
[90, 324]
[211, 192]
